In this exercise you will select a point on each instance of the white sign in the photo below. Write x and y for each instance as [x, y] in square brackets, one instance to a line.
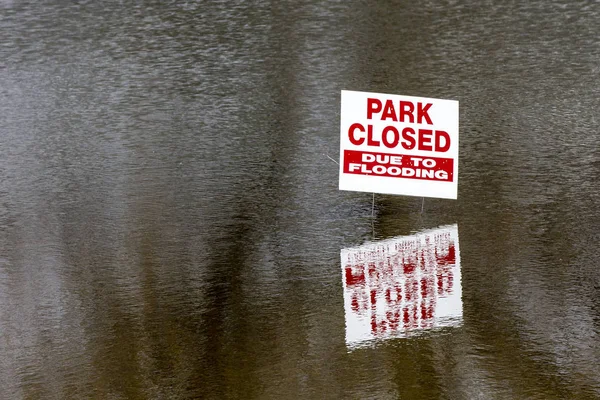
[396, 287]
[399, 145]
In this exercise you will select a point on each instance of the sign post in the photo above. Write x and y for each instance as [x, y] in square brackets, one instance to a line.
[399, 145]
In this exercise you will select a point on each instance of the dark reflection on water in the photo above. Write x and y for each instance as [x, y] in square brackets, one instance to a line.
[170, 225]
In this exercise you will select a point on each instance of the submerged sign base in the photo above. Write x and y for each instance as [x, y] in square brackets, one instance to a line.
[398, 287]
[398, 145]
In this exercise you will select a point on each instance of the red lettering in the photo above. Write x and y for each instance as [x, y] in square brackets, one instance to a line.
[424, 288]
[438, 136]
[355, 304]
[394, 319]
[406, 109]
[355, 279]
[422, 258]
[388, 111]
[373, 106]
[414, 288]
[396, 137]
[425, 142]
[409, 142]
[409, 268]
[370, 140]
[450, 258]
[351, 132]
[422, 113]
[372, 270]
[413, 322]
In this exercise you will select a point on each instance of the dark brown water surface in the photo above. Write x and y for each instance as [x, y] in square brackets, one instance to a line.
[171, 227]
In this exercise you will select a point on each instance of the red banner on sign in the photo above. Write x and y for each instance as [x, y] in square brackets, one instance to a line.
[398, 166]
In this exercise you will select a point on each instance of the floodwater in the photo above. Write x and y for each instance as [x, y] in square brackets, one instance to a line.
[171, 226]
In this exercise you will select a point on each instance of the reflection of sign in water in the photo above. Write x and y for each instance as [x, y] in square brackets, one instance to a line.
[397, 286]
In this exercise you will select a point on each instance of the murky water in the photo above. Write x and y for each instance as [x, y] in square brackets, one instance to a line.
[171, 227]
